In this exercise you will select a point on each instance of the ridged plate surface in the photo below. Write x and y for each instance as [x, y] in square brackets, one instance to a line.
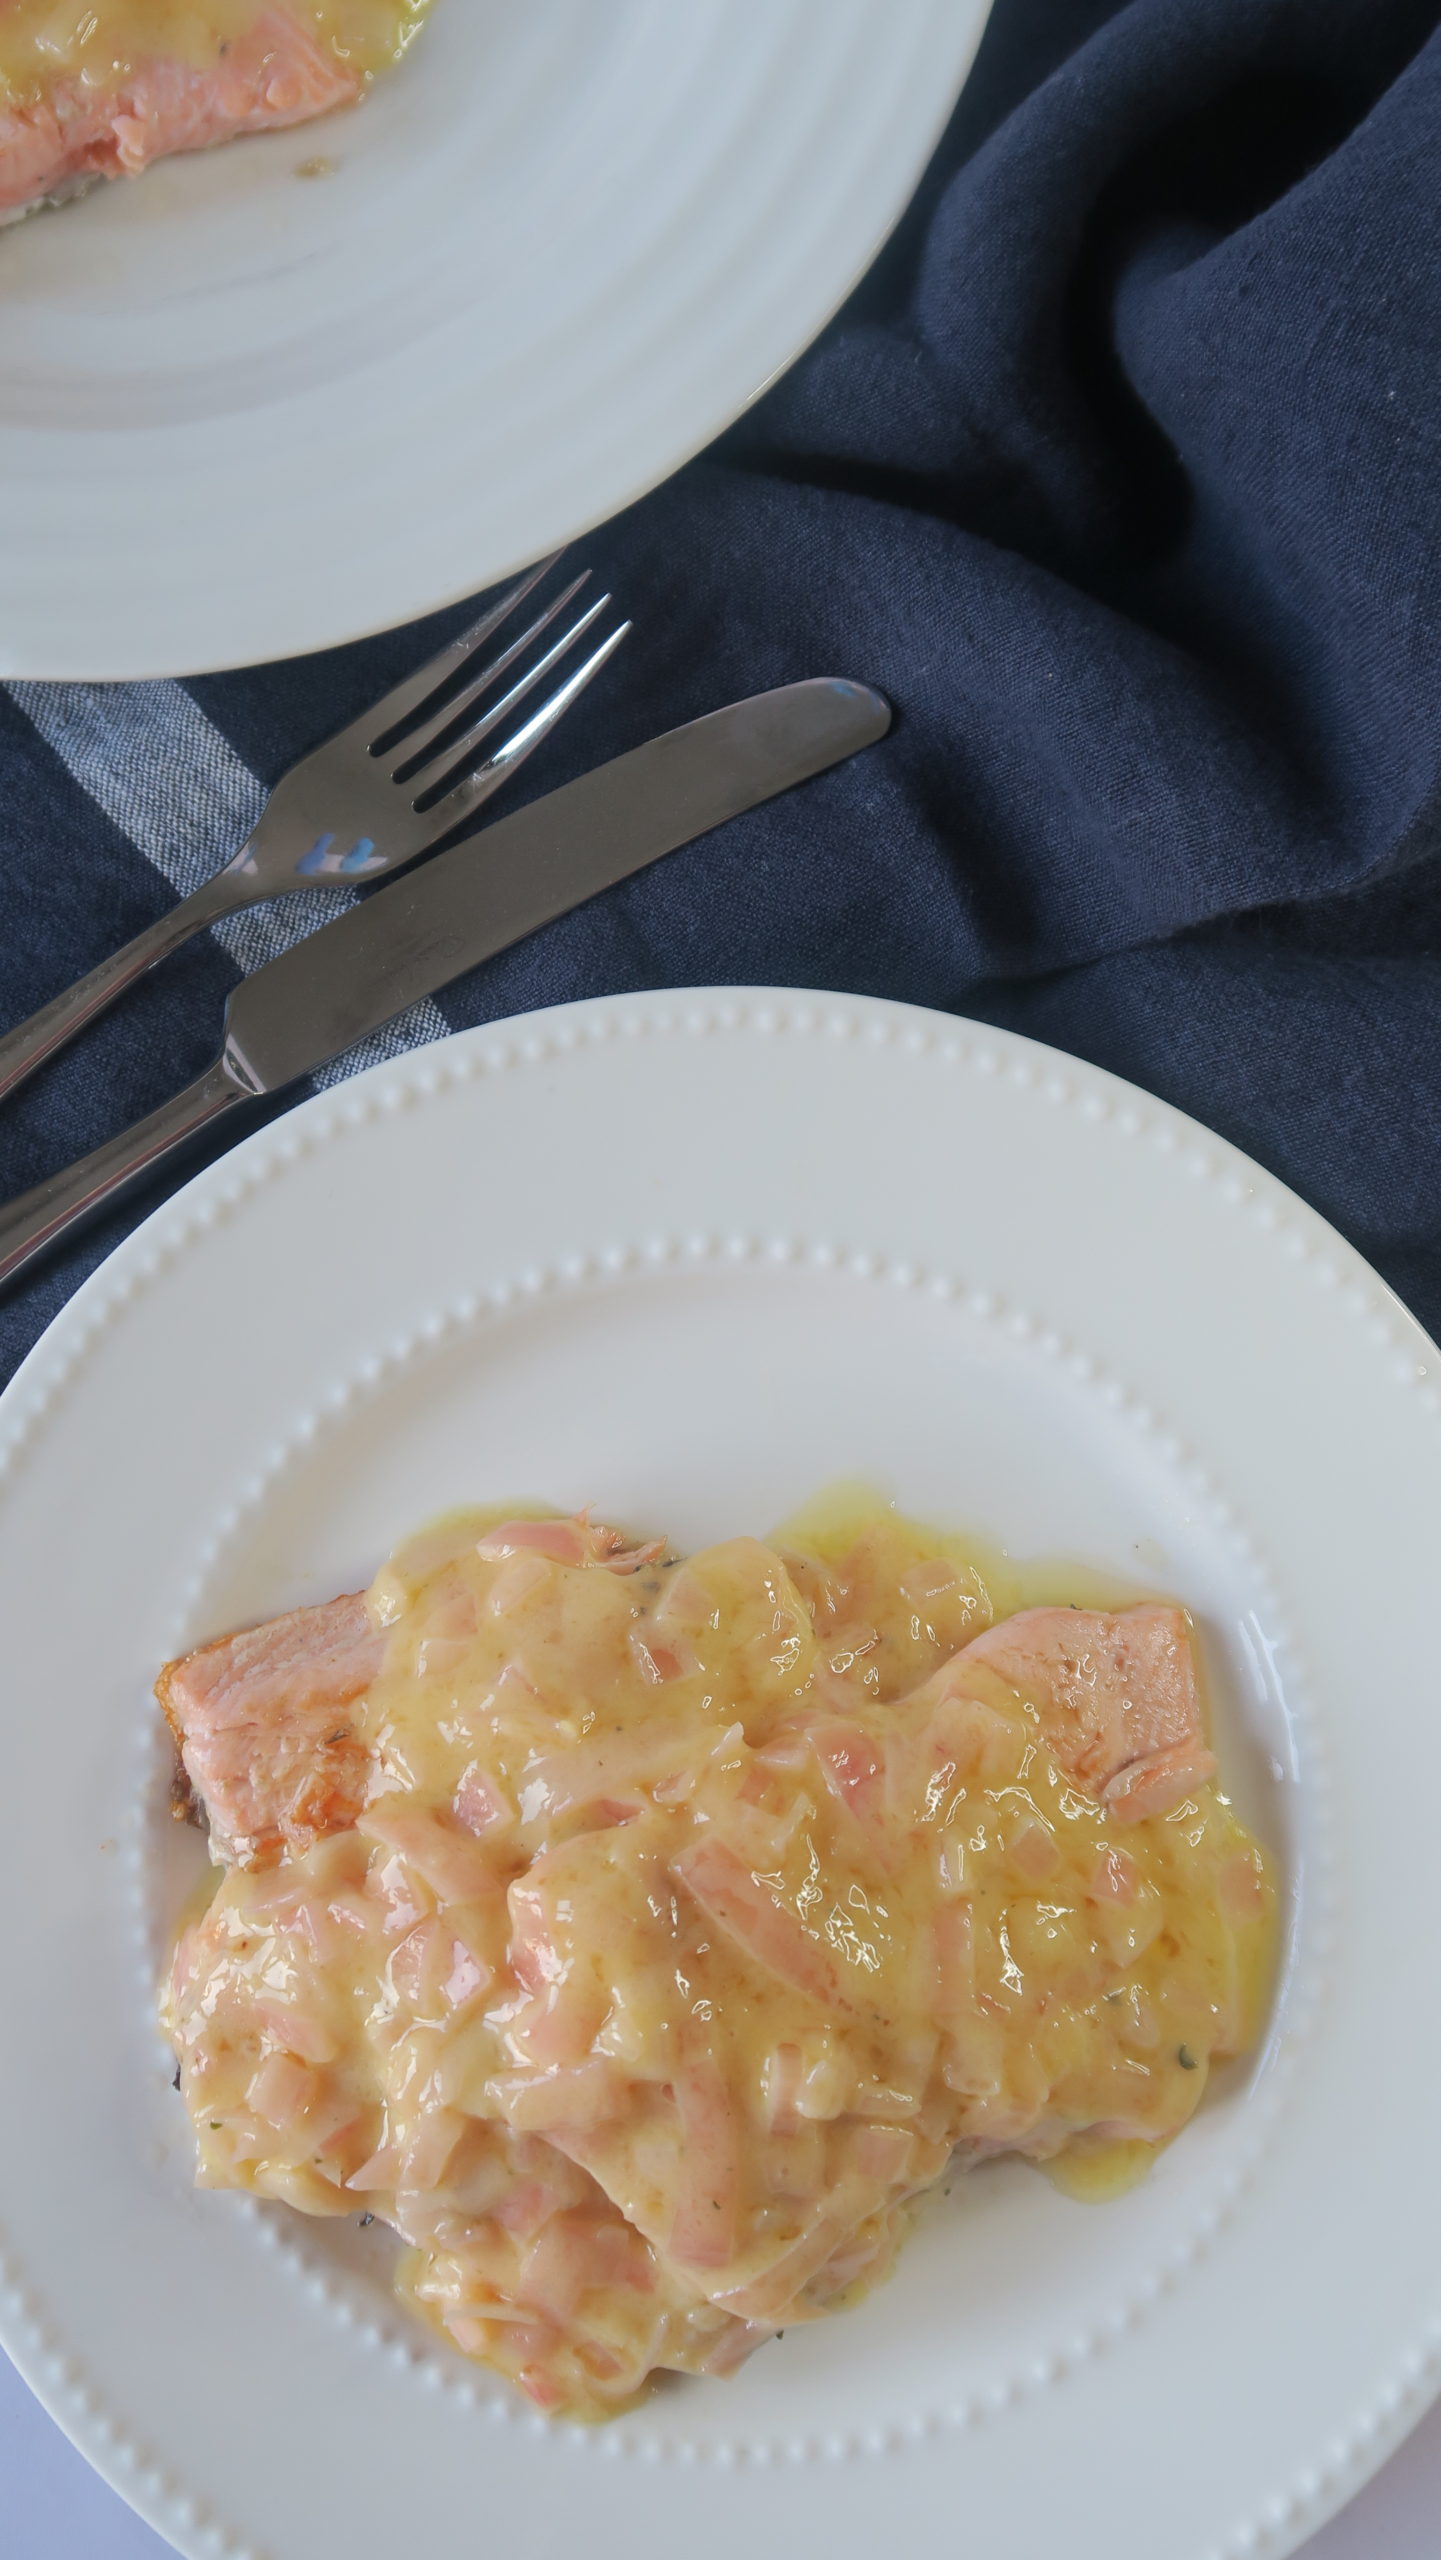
[245, 413]
[690, 1258]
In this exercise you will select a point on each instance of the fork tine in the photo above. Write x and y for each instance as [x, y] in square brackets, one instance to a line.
[460, 751]
[413, 693]
[472, 794]
[418, 747]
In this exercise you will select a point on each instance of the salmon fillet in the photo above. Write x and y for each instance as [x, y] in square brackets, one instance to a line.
[1117, 1697]
[692, 1925]
[275, 74]
[264, 1725]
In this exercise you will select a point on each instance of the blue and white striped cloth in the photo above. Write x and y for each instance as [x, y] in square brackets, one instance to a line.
[117, 799]
[170, 781]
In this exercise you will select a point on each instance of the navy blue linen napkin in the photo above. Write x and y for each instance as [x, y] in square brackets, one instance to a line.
[1121, 475]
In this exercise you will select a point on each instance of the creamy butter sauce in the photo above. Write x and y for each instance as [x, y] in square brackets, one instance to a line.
[701, 1910]
[43, 42]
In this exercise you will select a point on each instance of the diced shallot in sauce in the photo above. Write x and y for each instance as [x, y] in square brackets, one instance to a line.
[640, 1938]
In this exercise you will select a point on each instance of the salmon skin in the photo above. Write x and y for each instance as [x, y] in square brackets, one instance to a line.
[277, 73]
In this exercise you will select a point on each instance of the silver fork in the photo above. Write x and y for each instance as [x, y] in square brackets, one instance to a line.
[380, 793]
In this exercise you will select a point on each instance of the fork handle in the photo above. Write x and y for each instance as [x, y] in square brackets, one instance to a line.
[31, 1043]
[29, 1225]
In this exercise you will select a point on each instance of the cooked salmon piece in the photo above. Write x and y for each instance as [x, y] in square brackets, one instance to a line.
[265, 1727]
[278, 72]
[1117, 1696]
[674, 1950]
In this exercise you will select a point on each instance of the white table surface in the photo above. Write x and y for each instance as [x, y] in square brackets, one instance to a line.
[54, 2507]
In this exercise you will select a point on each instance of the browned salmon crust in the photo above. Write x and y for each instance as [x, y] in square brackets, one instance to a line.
[265, 1731]
[275, 74]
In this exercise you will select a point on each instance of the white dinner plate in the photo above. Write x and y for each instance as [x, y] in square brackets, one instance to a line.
[691, 1258]
[244, 413]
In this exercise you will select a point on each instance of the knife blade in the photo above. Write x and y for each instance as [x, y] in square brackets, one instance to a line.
[411, 938]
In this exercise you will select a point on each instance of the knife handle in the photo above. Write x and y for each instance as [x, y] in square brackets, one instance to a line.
[31, 1043]
[29, 1225]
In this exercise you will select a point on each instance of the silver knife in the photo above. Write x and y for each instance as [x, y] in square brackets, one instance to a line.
[404, 942]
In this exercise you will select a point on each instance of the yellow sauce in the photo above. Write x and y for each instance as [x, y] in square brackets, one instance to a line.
[699, 1913]
[1090, 2169]
[43, 42]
